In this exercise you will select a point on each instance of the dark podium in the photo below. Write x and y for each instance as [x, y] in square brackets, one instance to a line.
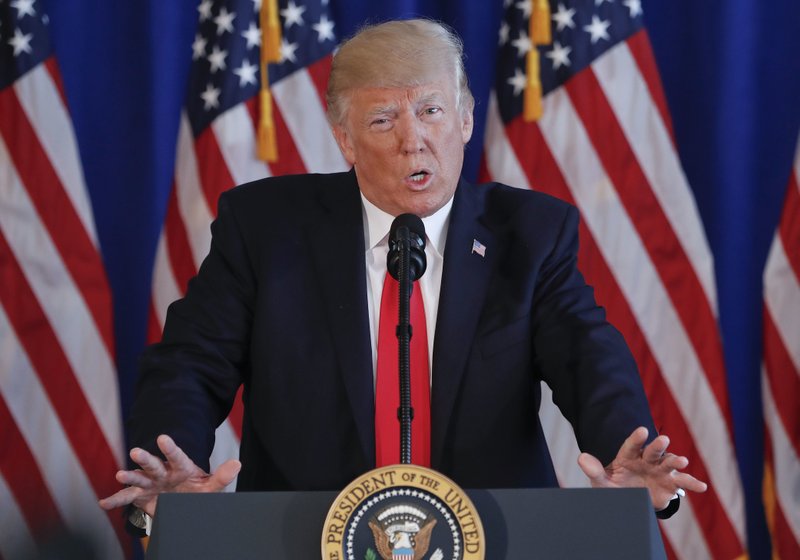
[518, 524]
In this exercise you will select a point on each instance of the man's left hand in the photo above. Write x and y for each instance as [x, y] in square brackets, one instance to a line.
[640, 466]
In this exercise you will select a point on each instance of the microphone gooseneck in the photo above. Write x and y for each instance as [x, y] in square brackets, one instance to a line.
[406, 262]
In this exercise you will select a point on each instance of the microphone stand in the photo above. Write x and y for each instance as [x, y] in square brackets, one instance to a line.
[405, 413]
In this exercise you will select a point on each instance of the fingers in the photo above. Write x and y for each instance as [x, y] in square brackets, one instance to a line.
[688, 482]
[673, 462]
[655, 450]
[632, 447]
[592, 468]
[118, 499]
[177, 459]
[224, 475]
[152, 465]
[134, 478]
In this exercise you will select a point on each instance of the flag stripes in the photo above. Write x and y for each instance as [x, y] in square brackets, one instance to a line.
[60, 491]
[39, 93]
[47, 311]
[30, 496]
[14, 532]
[234, 133]
[289, 160]
[780, 379]
[598, 108]
[643, 131]
[51, 202]
[604, 143]
[59, 401]
[304, 113]
[639, 45]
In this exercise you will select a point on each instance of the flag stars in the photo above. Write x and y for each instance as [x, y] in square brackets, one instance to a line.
[598, 29]
[504, 31]
[246, 73]
[252, 36]
[634, 6]
[198, 47]
[522, 44]
[293, 15]
[24, 8]
[287, 51]
[256, 6]
[217, 59]
[205, 10]
[600, 2]
[210, 97]
[526, 6]
[559, 55]
[21, 42]
[564, 18]
[324, 29]
[224, 21]
[517, 81]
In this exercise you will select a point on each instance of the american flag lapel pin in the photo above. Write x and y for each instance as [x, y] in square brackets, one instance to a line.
[478, 247]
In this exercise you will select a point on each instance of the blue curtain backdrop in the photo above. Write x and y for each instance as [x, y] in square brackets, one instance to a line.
[731, 71]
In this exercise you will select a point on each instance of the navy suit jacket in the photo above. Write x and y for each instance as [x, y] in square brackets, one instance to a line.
[280, 305]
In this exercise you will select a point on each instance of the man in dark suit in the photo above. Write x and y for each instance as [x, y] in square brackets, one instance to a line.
[286, 303]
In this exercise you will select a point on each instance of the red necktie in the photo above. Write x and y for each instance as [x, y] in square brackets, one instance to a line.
[387, 384]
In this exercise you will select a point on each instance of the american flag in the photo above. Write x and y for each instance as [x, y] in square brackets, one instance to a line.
[217, 136]
[605, 144]
[780, 378]
[60, 427]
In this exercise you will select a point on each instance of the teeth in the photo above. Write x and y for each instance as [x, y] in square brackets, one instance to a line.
[418, 176]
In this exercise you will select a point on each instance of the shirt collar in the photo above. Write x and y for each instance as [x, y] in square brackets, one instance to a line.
[377, 224]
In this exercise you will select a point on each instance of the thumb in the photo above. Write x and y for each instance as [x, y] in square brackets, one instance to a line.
[592, 468]
[226, 472]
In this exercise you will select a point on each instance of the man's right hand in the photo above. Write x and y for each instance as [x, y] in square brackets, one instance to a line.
[177, 474]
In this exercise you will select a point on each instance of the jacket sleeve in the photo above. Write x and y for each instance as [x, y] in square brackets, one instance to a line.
[189, 380]
[583, 358]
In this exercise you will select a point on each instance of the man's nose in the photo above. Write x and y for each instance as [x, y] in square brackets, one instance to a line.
[411, 134]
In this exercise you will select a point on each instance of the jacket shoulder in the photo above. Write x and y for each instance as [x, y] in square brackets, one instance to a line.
[522, 209]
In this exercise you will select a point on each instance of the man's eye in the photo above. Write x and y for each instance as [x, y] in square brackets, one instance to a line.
[432, 110]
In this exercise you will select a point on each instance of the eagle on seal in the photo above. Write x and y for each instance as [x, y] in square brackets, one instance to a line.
[406, 542]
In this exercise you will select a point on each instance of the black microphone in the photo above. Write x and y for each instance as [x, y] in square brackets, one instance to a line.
[405, 262]
[407, 227]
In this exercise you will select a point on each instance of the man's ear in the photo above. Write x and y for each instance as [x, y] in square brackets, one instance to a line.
[466, 125]
[345, 144]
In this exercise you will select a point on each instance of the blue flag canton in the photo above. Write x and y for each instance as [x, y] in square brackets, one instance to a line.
[24, 38]
[308, 36]
[582, 31]
[227, 46]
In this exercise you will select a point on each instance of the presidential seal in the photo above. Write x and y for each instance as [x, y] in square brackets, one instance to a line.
[402, 512]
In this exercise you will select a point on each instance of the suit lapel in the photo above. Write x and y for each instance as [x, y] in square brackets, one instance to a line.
[337, 244]
[465, 280]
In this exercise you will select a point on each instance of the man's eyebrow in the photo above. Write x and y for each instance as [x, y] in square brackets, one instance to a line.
[382, 110]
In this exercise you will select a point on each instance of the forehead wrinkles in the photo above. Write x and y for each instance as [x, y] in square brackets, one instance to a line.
[389, 101]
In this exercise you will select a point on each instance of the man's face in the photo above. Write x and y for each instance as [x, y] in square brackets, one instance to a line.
[406, 145]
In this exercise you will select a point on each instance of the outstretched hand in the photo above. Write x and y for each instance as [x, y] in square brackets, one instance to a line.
[177, 474]
[637, 466]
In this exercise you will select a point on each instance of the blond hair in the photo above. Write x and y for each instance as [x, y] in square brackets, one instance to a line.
[403, 53]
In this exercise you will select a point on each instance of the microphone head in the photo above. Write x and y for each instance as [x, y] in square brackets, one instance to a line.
[411, 227]
[412, 222]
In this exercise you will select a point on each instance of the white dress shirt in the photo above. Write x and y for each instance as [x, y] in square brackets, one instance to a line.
[376, 235]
